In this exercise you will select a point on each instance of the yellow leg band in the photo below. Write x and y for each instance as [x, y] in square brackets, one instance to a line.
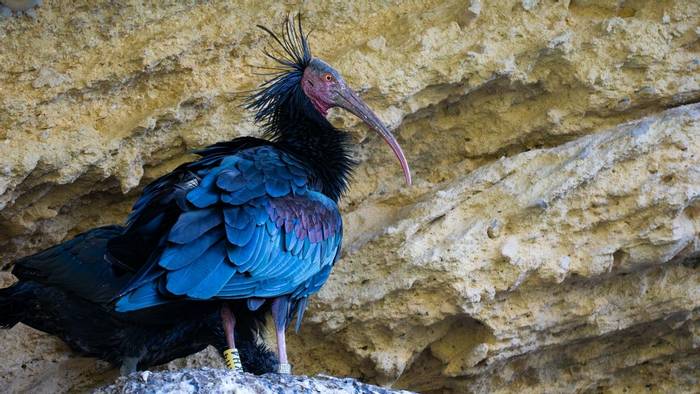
[232, 359]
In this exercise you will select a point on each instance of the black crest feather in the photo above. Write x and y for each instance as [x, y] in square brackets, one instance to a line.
[274, 98]
[290, 120]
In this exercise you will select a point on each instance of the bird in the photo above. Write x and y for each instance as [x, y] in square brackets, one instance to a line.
[254, 223]
[250, 228]
[67, 290]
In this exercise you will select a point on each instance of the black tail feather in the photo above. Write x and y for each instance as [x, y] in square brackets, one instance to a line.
[66, 291]
[11, 306]
[257, 358]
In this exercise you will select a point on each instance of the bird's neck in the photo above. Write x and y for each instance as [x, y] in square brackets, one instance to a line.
[322, 147]
[291, 121]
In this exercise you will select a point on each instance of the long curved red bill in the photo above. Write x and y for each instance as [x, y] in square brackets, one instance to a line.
[351, 102]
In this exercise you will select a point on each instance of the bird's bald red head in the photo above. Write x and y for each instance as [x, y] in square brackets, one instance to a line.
[326, 89]
[321, 83]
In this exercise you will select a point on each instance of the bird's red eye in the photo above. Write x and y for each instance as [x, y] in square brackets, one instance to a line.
[328, 77]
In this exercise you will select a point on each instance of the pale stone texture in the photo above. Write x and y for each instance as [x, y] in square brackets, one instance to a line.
[221, 381]
[546, 245]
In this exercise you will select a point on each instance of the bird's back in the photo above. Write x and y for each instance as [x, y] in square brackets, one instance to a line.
[246, 221]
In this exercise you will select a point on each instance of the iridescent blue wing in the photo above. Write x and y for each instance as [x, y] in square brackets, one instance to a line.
[161, 203]
[255, 228]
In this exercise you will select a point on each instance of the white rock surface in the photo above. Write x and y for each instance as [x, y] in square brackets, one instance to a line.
[215, 381]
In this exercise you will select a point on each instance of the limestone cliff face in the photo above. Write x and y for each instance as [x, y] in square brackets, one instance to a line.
[552, 234]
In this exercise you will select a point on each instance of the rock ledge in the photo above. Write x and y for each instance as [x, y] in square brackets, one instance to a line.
[207, 380]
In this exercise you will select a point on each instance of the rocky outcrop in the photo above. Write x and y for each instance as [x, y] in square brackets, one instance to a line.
[532, 269]
[550, 240]
[211, 381]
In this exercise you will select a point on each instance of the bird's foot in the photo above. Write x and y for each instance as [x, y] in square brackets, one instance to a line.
[284, 368]
[233, 360]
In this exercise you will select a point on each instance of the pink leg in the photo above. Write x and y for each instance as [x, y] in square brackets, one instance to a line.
[280, 312]
[229, 323]
[231, 356]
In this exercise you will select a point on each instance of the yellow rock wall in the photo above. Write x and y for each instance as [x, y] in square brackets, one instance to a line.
[549, 243]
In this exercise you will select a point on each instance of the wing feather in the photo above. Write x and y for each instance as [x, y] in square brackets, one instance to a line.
[180, 255]
[256, 227]
[180, 281]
